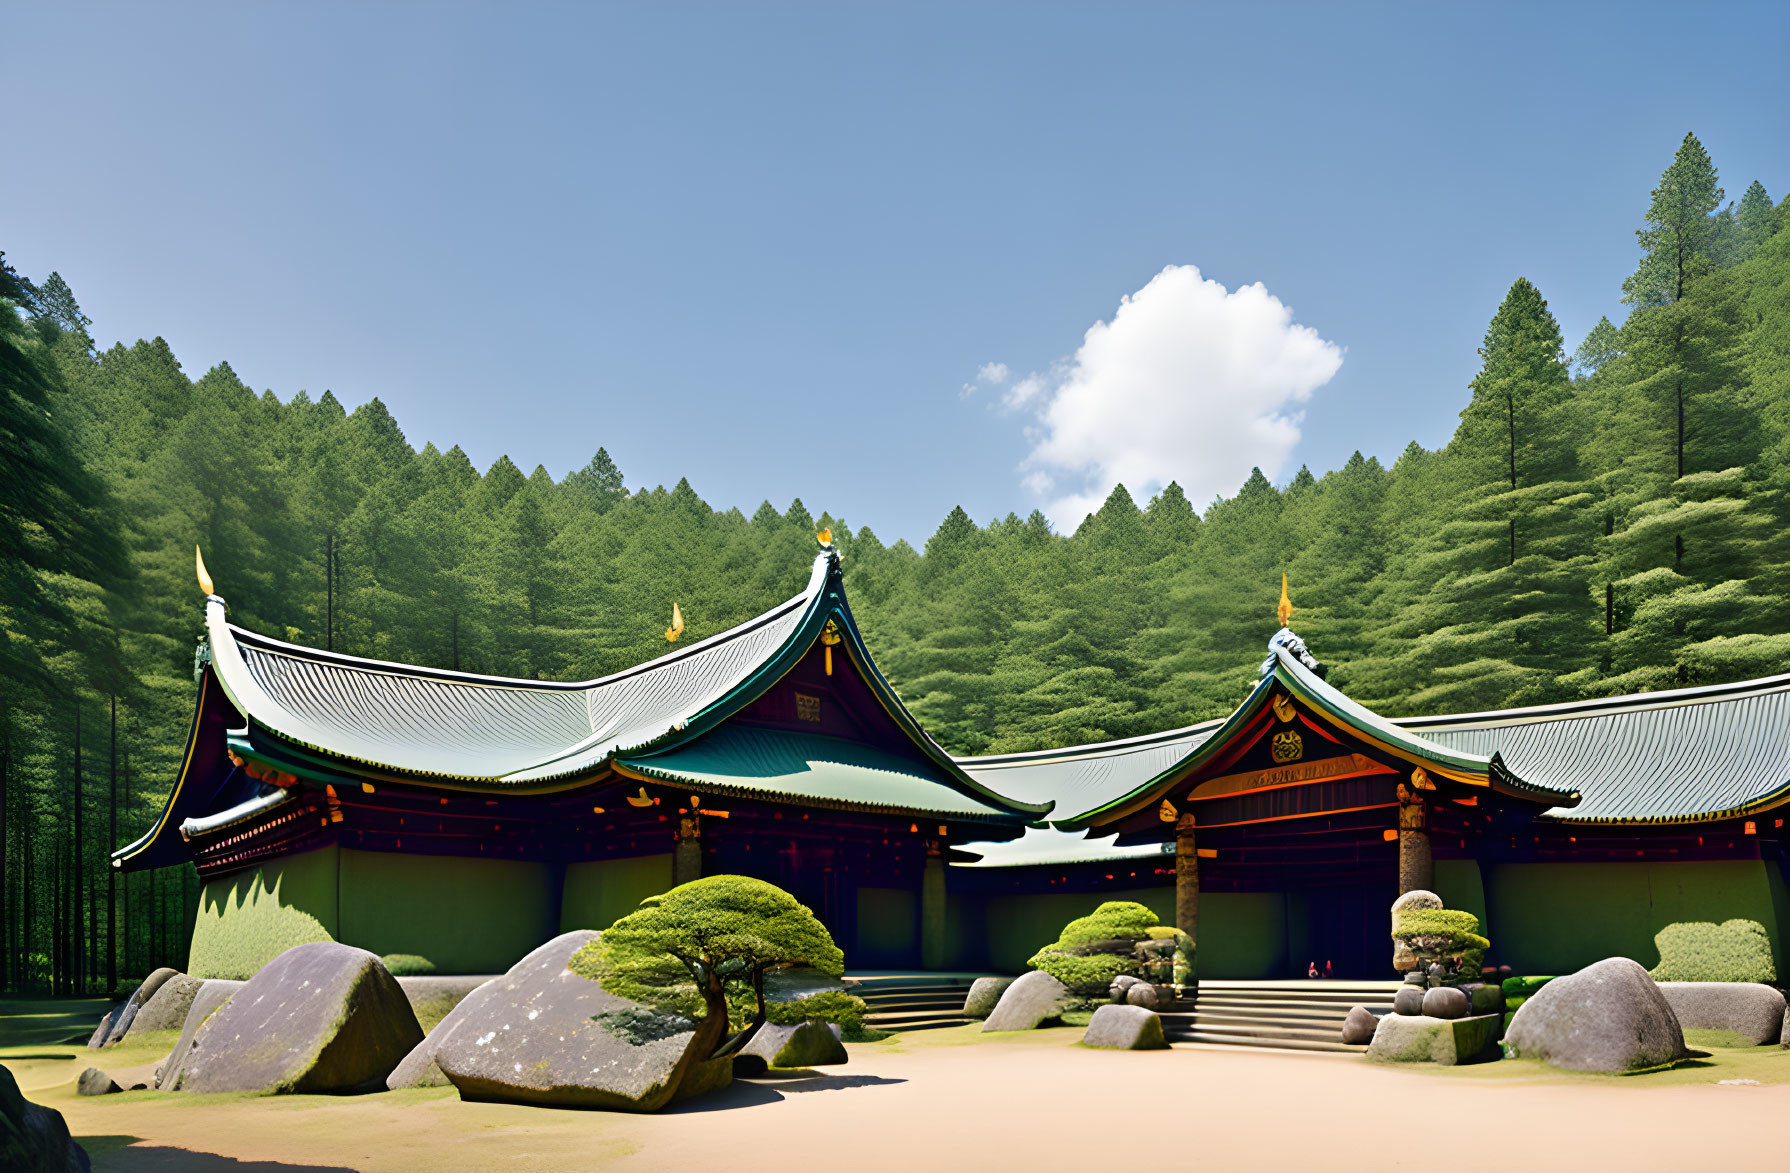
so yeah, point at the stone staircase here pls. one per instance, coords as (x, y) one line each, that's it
(912, 1001)
(1296, 1015)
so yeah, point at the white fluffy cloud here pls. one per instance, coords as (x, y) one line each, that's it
(1189, 382)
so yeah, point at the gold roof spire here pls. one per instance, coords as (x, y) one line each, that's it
(677, 624)
(204, 578)
(1286, 605)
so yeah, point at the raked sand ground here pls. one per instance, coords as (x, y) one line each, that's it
(955, 1099)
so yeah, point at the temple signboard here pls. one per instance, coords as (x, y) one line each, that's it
(1291, 774)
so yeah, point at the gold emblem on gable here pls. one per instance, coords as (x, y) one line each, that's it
(807, 708)
(1283, 708)
(1287, 747)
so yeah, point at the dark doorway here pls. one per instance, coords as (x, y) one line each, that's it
(806, 870)
(1349, 926)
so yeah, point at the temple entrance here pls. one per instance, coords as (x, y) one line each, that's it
(1345, 924)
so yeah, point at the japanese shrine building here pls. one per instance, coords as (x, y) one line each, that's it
(465, 818)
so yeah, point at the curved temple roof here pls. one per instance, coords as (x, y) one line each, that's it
(324, 715)
(491, 729)
(1689, 755)
(1088, 782)
(1684, 756)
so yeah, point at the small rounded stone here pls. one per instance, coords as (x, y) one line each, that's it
(1445, 1002)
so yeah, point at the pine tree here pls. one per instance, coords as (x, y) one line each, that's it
(1679, 229)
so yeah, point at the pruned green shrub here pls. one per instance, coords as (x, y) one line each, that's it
(1093, 950)
(1113, 920)
(1087, 976)
(847, 1010)
(1697, 951)
(407, 965)
(1442, 935)
(1522, 987)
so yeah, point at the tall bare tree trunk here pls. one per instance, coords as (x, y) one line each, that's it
(112, 872)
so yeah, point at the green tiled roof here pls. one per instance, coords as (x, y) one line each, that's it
(810, 769)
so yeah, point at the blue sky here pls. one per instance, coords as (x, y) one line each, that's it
(767, 247)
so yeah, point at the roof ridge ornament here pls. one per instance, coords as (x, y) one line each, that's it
(1285, 611)
(1286, 640)
(204, 578)
(677, 624)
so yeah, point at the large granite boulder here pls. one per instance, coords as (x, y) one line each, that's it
(321, 1017)
(985, 993)
(1358, 1028)
(541, 1034)
(118, 1020)
(1418, 1038)
(805, 1044)
(213, 993)
(418, 1068)
(1125, 1028)
(1609, 1016)
(1032, 999)
(167, 1009)
(1754, 1012)
(33, 1138)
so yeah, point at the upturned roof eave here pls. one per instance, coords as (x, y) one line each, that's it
(821, 601)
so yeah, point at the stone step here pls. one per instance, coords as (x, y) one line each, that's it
(1220, 1038)
(1252, 1014)
(1340, 1006)
(1260, 1030)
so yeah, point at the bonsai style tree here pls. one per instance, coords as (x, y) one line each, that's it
(1119, 937)
(710, 934)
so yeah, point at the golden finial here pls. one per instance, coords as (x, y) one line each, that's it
(204, 578)
(825, 536)
(1286, 604)
(677, 624)
(829, 636)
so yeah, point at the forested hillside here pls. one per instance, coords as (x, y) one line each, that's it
(1605, 520)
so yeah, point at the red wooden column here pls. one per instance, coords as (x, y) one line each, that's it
(1187, 879)
(1415, 868)
(686, 857)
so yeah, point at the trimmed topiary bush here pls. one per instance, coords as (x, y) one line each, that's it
(1443, 935)
(407, 965)
(1522, 987)
(1697, 951)
(847, 1010)
(1119, 937)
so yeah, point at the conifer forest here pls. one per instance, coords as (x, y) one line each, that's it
(1611, 515)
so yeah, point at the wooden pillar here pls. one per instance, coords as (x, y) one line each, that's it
(686, 857)
(932, 908)
(1187, 879)
(1415, 868)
